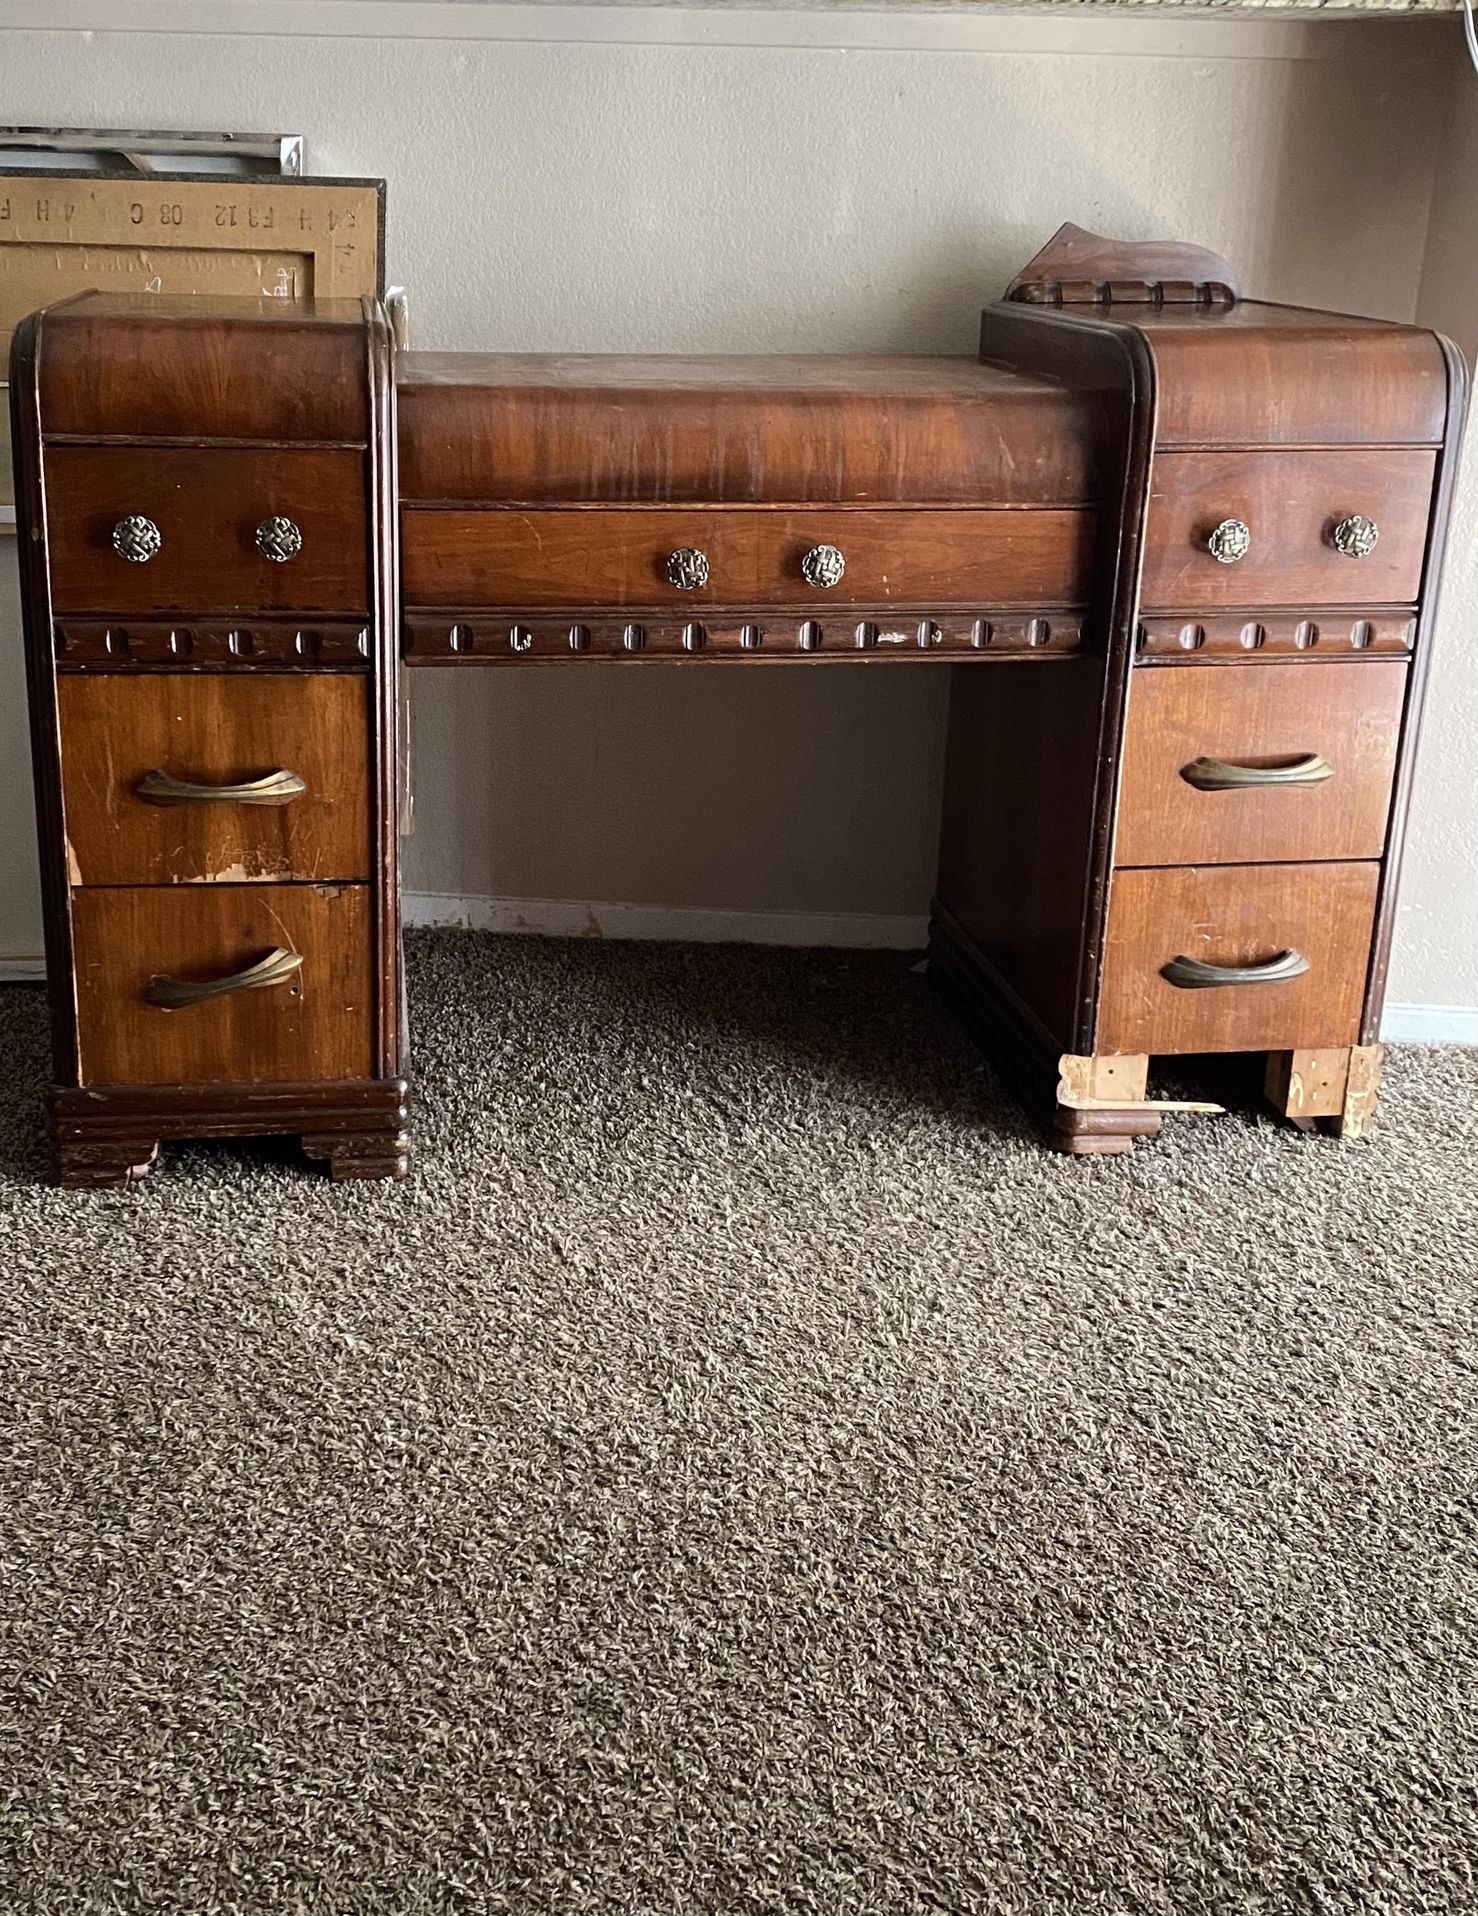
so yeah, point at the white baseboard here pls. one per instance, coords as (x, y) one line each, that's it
(1430, 1024)
(22, 971)
(682, 924)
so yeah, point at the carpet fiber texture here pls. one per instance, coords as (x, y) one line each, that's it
(741, 1472)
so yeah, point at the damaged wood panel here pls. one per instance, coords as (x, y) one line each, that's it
(214, 730)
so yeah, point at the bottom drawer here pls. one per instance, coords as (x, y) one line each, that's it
(142, 955)
(1244, 917)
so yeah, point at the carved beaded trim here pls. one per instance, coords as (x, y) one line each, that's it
(1283, 634)
(528, 637)
(113, 645)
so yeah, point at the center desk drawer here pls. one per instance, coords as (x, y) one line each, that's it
(193, 529)
(1293, 506)
(749, 557)
(140, 950)
(1243, 919)
(170, 778)
(1246, 766)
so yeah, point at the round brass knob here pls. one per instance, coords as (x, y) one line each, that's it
(1355, 536)
(823, 567)
(136, 539)
(279, 540)
(1229, 542)
(687, 569)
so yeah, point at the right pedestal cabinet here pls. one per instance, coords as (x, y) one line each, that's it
(1209, 803)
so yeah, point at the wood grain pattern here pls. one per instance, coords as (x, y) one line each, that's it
(529, 429)
(1237, 915)
(1350, 714)
(207, 504)
(1257, 374)
(1290, 501)
(317, 1026)
(214, 730)
(618, 558)
(203, 368)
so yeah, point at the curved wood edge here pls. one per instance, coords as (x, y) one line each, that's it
(1079, 268)
(385, 743)
(1112, 355)
(36, 621)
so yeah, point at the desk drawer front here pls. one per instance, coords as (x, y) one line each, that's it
(1243, 917)
(170, 778)
(134, 946)
(1293, 506)
(595, 558)
(1301, 760)
(202, 524)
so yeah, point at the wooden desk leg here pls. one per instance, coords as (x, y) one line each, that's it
(1332, 1091)
(1096, 1106)
(361, 1154)
(104, 1165)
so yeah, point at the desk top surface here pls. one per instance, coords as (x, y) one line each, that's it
(663, 428)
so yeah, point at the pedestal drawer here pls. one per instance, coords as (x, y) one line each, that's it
(734, 556)
(1316, 528)
(1281, 763)
(167, 992)
(136, 529)
(170, 778)
(1258, 923)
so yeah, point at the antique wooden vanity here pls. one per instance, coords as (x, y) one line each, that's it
(1179, 550)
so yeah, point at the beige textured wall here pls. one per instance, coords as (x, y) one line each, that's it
(762, 181)
(1436, 954)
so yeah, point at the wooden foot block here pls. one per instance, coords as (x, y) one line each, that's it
(1102, 1133)
(104, 1165)
(361, 1154)
(1334, 1091)
(1100, 1108)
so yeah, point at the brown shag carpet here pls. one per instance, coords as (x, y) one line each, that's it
(741, 1472)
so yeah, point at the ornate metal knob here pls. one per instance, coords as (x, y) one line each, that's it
(136, 539)
(279, 540)
(687, 569)
(1355, 536)
(822, 567)
(1229, 542)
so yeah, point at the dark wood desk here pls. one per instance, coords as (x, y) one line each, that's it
(1195, 538)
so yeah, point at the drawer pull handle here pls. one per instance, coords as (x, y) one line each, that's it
(137, 539)
(1194, 974)
(1355, 536)
(687, 569)
(275, 969)
(1229, 542)
(1222, 775)
(823, 567)
(275, 788)
(279, 540)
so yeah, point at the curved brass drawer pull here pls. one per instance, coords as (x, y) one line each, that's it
(1224, 775)
(1193, 974)
(275, 788)
(275, 969)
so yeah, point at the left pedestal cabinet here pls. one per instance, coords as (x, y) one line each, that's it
(206, 499)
